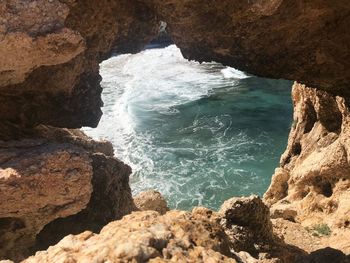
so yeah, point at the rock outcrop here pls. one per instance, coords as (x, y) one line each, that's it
(177, 236)
(312, 186)
(146, 236)
(151, 200)
(54, 183)
(312, 242)
(39, 182)
(247, 221)
(51, 51)
(306, 41)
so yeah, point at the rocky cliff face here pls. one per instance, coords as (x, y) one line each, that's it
(177, 236)
(40, 183)
(312, 186)
(55, 182)
(50, 54)
(198, 236)
(298, 40)
(50, 50)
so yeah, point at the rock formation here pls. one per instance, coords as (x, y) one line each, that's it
(248, 221)
(151, 200)
(142, 236)
(198, 236)
(177, 236)
(312, 186)
(51, 52)
(39, 182)
(306, 41)
(55, 182)
(51, 49)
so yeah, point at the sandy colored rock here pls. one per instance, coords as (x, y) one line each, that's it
(39, 182)
(296, 40)
(55, 182)
(50, 54)
(151, 200)
(320, 248)
(146, 236)
(50, 50)
(314, 177)
(296, 234)
(247, 222)
(39, 51)
(41, 39)
(280, 211)
(178, 236)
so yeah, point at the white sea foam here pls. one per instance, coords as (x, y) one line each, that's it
(155, 126)
(231, 73)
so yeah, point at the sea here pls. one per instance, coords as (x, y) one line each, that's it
(199, 133)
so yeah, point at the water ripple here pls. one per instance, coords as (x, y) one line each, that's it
(199, 133)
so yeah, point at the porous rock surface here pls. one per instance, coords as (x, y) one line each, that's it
(50, 53)
(177, 236)
(312, 185)
(146, 236)
(306, 41)
(51, 49)
(39, 182)
(248, 221)
(151, 200)
(57, 182)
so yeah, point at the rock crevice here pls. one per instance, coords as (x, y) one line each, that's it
(314, 182)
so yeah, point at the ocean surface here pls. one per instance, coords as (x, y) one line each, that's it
(198, 133)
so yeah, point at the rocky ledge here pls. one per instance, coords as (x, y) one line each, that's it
(198, 236)
(312, 185)
(55, 182)
(240, 232)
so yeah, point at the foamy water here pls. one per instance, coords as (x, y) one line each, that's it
(198, 133)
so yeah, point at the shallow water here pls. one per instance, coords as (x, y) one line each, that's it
(198, 133)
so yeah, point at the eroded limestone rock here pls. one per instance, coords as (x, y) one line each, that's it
(55, 182)
(247, 221)
(151, 200)
(146, 236)
(298, 40)
(51, 49)
(314, 177)
(39, 182)
(50, 53)
(177, 236)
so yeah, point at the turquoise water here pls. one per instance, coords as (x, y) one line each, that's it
(198, 133)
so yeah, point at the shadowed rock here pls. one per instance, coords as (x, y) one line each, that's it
(57, 183)
(247, 222)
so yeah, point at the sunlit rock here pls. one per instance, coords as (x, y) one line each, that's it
(151, 200)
